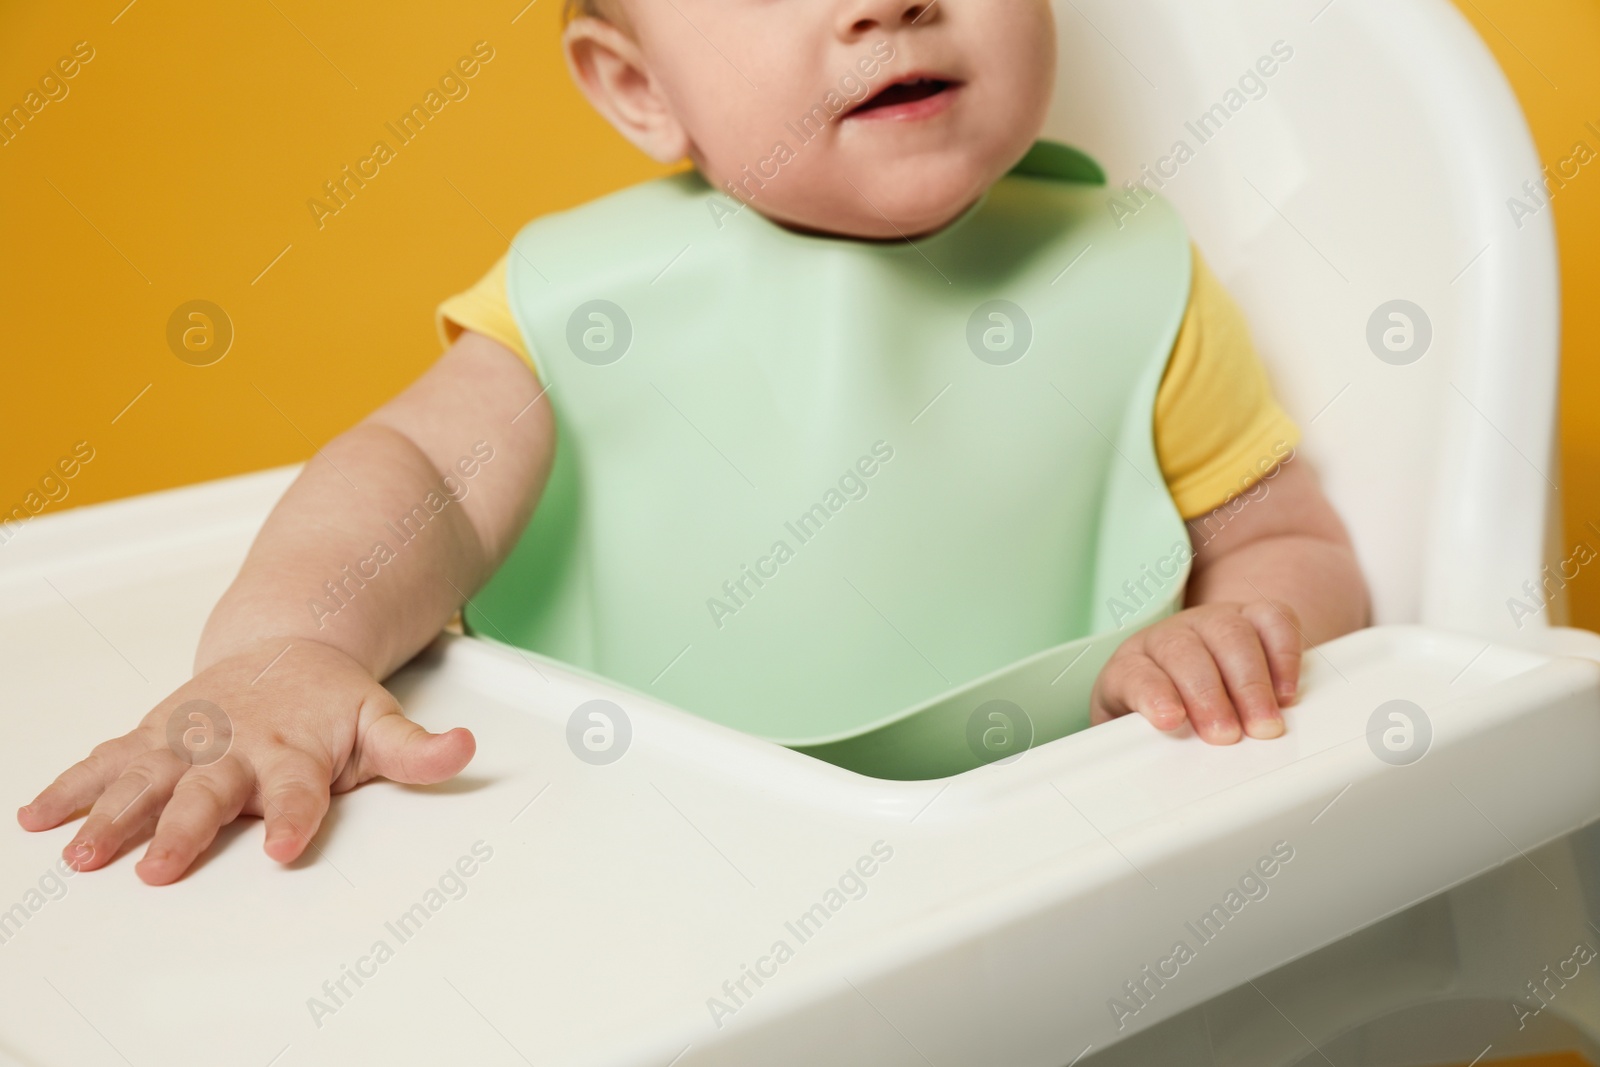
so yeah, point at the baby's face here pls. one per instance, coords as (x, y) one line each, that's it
(869, 118)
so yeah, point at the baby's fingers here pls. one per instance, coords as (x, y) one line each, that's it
(124, 808)
(1285, 646)
(1134, 684)
(1236, 646)
(294, 801)
(401, 751)
(205, 800)
(1187, 661)
(81, 784)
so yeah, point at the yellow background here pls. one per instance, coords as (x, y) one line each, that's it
(179, 167)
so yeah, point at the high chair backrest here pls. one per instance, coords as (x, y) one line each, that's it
(1354, 171)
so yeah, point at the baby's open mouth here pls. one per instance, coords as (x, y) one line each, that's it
(907, 98)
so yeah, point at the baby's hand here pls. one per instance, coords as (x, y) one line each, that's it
(291, 730)
(1218, 666)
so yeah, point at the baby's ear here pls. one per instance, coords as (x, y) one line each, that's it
(611, 70)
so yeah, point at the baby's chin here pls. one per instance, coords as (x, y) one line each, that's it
(876, 204)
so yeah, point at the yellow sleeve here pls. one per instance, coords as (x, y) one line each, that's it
(483, 309)
(1218, 428)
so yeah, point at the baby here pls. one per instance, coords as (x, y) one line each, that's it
(864, 410)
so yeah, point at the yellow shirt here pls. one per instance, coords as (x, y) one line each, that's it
(1218, 428)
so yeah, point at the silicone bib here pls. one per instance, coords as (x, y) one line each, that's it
(891, 504)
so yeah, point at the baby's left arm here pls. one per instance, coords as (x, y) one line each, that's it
(1274, 573)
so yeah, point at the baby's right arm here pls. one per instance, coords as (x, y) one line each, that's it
(299, 684)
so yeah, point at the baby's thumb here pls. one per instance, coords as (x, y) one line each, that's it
(400, 750)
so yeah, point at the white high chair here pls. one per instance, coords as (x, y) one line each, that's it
(1422, 899)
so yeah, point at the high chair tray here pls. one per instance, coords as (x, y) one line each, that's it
(544, 909)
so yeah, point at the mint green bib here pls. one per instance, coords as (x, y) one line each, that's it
(893, 504)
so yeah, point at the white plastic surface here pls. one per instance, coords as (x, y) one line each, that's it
(619, 898)
(1019, 898)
